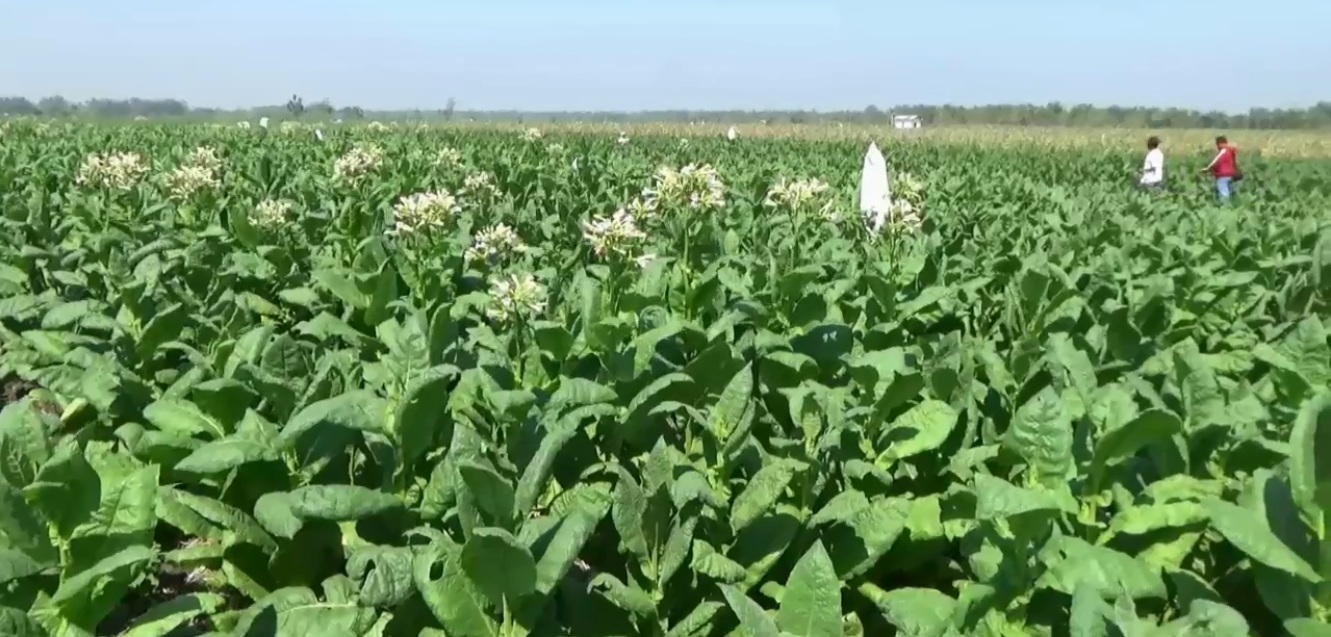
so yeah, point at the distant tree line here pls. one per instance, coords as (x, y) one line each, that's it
(1052, 114)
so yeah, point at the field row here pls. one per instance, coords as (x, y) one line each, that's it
(1314, 144)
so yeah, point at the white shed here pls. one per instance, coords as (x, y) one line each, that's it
(906, 121)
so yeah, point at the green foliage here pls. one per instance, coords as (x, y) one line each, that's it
(1058, 407)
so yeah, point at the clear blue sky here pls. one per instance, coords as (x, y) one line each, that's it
(631, 55)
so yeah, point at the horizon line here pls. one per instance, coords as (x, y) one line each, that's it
(771, 109)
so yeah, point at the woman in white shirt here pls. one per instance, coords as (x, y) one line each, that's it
(1153, 169)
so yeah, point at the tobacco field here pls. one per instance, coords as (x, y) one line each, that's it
(410, 382)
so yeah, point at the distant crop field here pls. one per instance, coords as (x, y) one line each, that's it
(1268, 143)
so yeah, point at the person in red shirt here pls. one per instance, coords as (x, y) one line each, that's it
(1224, 168)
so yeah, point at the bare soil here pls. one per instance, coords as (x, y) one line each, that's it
(14, 389)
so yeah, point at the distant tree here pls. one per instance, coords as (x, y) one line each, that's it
(54, 106)
(448, 109)
(322, 108)
(296, 106)
(18, 106)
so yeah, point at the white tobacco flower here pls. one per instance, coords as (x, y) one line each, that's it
(683, 142)
(623, 138)
(186, 181)
(479, 184)
(494, 243)
(795, 194)
(289, 128)
(613, 235)
(423, 211)
(555, 148)
(113, 171)
(448, 157)
(377, 127)
(641, 207)
(907, 186)
(515, 296)
(642, 261)
(829, 212)
(706, 189)
(197, 576)
(696, 186)
(271, 213)
(905, 216)
(532, 134)
(358, 162)
(243, 125)
(204, 157)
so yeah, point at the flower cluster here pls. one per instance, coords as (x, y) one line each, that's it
(480, 185)
(531, 134)
(271, 213)
(448, 157)
(198, 171)
(423, 211)
(906, 186)
(290, 128)
(114, 171)
(205, 157)
(795, 194)
(358, 162)
(615, 235)
(377, 127)
(518, 295)
(243, 125)
(641, 207)
(693, 185)
(494, 243)
(623, 138)
(908, 194)
(904, 215)
(185, 181)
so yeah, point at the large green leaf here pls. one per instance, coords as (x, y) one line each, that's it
(498, 565)
(811, 604)
(1251, 535)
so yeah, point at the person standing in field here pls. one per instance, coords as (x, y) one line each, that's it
(1153, 169)
(1224, 168)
